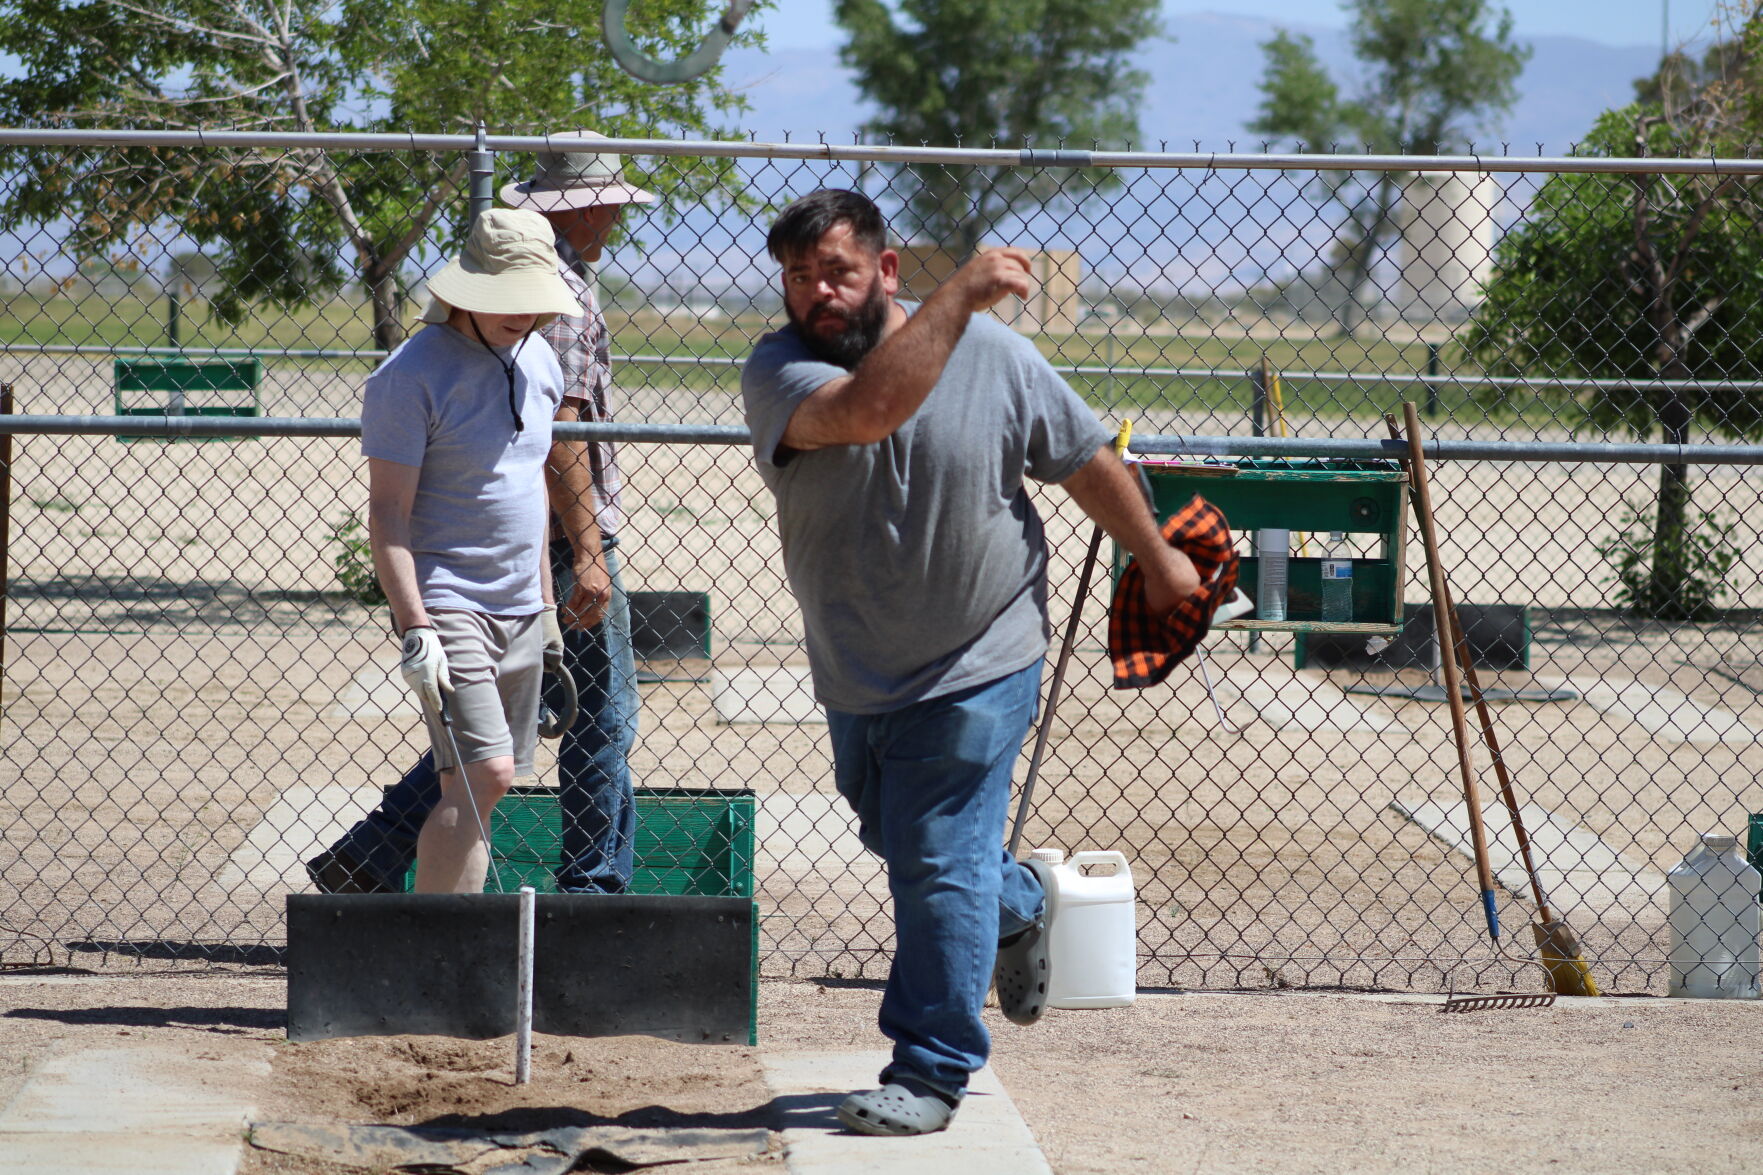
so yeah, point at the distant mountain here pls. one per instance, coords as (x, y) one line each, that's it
(1203, 87)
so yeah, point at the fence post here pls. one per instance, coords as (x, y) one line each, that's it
(1432, 389)
(483, 175)
(1258, 399)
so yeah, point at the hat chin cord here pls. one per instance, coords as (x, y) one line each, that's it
(507, 368)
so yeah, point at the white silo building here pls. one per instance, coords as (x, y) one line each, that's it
(1446, 220)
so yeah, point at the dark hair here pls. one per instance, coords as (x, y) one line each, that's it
(800, 226)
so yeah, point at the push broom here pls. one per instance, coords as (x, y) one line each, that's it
(1556, 943)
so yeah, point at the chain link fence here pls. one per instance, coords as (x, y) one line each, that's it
(196, 699)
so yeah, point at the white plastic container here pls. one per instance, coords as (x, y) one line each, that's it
(1093, 931)
(1274, 547)
(1715, 921)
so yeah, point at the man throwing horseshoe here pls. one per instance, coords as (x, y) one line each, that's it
(897, 441)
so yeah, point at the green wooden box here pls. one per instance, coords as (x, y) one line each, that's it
(689, 841)
(1317, 496)
(186, 387)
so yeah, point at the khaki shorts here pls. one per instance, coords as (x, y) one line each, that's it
(496, 666)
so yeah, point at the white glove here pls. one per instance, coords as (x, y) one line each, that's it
(553, 634)
(424, 666)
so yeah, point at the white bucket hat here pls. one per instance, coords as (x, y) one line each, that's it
(508, 266)
(574, 179)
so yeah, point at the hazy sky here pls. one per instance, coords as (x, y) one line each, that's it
(808, 23)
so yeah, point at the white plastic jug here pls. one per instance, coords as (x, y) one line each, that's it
(1715, 922)
(1093, 931)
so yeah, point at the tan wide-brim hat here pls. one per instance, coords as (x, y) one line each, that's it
(574, 179)
(508, 266)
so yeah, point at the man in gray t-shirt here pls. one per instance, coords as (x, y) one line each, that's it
(897, 441)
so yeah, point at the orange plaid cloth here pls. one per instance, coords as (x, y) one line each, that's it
(1144, 648)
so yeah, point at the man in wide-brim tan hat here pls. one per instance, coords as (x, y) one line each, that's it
(456, 428)
(575, 176)
(580, 192)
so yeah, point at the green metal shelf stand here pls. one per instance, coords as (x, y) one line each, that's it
(1352, 496)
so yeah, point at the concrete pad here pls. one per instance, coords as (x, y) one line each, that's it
(1299, 704)
(781, 694)
(375, 692)
(117, 1154)
(300, 822)
(1663, 712)
(987, 1137)
(139, 1111)
(1583, 878)
(804, 832)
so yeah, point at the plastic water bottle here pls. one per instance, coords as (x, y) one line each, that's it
(1093, 931)
(1274, 546)
(1715, 920)
(1337, 579)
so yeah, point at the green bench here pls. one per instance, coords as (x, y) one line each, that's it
(187, 387)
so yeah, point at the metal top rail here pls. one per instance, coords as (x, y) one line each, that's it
(1167, 444)
(1060, 157)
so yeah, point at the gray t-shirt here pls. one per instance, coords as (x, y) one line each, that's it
(919, 563)
(477, 526)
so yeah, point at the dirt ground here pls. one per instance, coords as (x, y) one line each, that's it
(174, 670)
(173, 658)
(1180, 1082)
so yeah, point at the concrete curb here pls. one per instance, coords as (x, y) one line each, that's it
(987, 1137)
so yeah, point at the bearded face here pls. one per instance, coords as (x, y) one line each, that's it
(838, 336)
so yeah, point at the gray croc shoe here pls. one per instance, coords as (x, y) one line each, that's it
(1022, 969)
(894, 1109)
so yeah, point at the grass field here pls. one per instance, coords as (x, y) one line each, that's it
(696, 355)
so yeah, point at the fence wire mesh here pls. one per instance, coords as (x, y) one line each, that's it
(197, 700)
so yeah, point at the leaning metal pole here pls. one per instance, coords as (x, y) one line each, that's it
(5, 532)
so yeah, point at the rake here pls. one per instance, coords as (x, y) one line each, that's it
(1488, 1003)
(1556, 943)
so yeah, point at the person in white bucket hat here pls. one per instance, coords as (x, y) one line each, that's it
(581, 193)
(456, 429)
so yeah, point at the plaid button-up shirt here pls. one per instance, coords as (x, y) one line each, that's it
(584, 351)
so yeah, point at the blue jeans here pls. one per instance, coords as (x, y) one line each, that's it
(930, 784)
(598, 812)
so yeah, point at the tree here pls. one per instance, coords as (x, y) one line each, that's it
(1649, 280)
(951, 73)
(293, 224)
(1435, 72)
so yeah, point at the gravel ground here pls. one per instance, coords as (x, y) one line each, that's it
(1181, 1081)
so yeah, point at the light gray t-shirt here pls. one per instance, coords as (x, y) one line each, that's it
(918, 561)
(477, 526)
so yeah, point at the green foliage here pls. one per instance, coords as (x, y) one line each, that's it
(354, 561)
(1434, 73)
(292, 225)
(1648, 282)
(1630, 278)
(979, 73)
(1683, 578)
